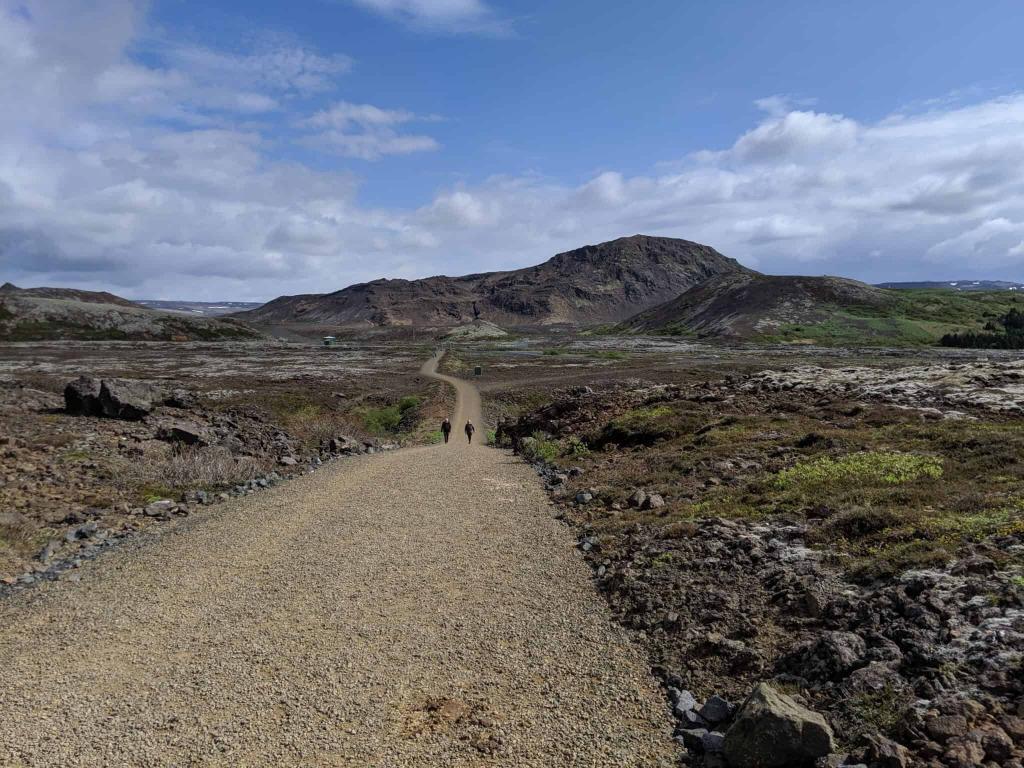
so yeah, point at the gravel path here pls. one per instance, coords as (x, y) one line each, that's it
(417, 608)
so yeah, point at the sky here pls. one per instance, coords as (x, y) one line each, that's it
(244, 149)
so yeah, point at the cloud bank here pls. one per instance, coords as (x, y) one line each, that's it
(162, 179)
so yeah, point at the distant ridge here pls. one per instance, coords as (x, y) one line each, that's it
(35, 314)
(956, 285)
(200, 308)
(69, 294)
(596, 284)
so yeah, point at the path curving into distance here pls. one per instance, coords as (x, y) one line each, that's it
(414, 608)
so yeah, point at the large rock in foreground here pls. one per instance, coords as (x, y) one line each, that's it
(113, 398)
(82, 397)
(772, 731)
(130, 400)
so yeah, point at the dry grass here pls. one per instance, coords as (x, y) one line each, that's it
(188, 468)
(19, 538)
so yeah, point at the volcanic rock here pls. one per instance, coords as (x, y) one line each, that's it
(771, 730)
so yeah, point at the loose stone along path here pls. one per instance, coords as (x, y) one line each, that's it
(417, 608)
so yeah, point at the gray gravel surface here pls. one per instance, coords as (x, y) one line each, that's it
(417, 608)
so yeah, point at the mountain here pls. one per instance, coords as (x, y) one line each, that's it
(31, 314)
(595, 284)
(824, 310)
(957, 285)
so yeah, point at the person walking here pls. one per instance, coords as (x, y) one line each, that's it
(446, 429)
(470, 429)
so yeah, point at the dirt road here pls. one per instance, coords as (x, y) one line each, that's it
(417, 608)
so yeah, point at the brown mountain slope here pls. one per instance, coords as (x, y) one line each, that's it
(751, 305)
(590, 285)
(32, 314)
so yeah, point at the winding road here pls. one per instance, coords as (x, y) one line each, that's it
(414, 608)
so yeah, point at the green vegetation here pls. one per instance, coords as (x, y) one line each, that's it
(79, 454)
(539, 448)
(639, 426)
(1009, 336)
(387, 419)
(883, 710)
(150, 492)
(868, 468)
(576, 447)
(408, 402)
(913, 318)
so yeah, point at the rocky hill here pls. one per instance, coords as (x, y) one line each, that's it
(824, 310)
(10, 291)
(748, 305)
(595, 284)
(30, 314)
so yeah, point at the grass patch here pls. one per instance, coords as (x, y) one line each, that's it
(388, 419)
(576, 448)
(538, 448)
(883, 710)
(640, 426)
(79, 454)
(866, 468)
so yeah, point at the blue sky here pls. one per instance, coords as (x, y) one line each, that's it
(247, 149)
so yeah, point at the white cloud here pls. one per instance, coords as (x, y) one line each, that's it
(273, 66)
(365, 132)
(154, 179)
(457, 16)
(796, 136)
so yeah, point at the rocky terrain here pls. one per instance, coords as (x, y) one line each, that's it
(95, 448)
(857, 545)
(820, 551)
(595, 284)
(936, 389)
(65, 313)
